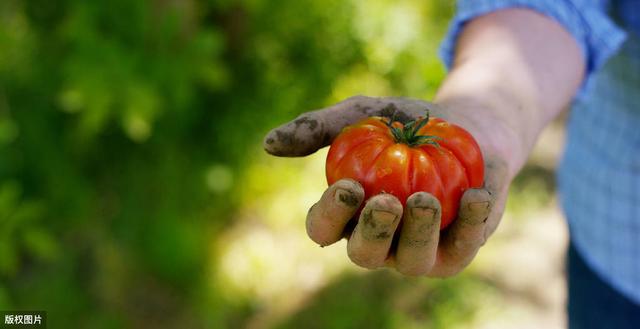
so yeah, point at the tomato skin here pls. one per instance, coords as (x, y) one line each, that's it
(368, 153)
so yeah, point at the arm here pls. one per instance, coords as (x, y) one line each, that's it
(514, 70)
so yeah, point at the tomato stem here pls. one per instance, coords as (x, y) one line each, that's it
(408, 134)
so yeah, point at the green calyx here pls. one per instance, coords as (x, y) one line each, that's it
(409, 133)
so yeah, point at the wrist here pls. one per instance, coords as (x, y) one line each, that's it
(495, 136)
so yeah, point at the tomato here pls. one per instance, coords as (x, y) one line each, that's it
(429, 154)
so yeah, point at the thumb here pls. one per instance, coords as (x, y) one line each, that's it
(302, 136)
(314, 130)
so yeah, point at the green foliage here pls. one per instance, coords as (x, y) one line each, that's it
(381, 300)
(124, 125)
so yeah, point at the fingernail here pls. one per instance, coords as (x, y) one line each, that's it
(378, 225)
(346, 197)
(478, 206)
(383, 217)
(426, 213)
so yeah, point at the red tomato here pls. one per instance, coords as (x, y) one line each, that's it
(429, 155)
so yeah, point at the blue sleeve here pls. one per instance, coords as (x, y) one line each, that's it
(596, 34)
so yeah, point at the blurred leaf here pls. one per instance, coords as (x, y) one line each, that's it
(4, 298)
(8, 257)
(41, 244)
(8, 131)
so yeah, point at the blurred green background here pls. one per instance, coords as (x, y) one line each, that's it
(134, 192)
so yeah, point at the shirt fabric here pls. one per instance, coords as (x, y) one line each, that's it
(593, 303)
(599, 176)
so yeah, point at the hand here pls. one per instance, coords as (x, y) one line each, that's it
(421, 248)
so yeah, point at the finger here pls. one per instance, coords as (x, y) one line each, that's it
(418, 241)
(300, 137)
(371, 239)
(314, 130)
(496, 182)
(466, 235)
(327, 218)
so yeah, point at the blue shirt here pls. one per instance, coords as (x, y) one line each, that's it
(599, 176)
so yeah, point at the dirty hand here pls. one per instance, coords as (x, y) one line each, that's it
(421, 248)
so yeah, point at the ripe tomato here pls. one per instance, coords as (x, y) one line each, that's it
(428, 154)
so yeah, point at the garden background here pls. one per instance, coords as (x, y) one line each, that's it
(134, 191)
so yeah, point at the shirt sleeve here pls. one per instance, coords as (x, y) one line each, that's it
(596, 34)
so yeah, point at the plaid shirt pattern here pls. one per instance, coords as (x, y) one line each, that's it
(599, 176)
